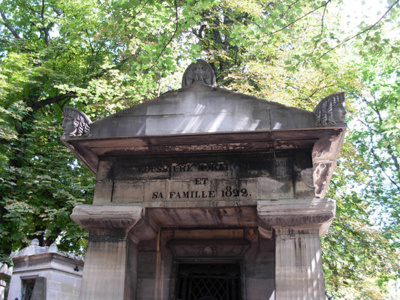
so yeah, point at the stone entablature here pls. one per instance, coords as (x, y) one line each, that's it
(212, 180)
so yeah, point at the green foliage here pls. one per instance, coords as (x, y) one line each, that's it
(363, 247)
(104, 56)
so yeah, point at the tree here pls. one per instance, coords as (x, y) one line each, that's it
(363, 246)
(41, 182)
(103, 57)
(372, 175)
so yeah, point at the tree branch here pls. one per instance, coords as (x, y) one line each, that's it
(42, 13)
(381, 121)
(290, 7)
(361, 32)
(8, 26)
(372, 151)
(173, 35)
(45, 30)
(302, 17)
(140, 10)
(119, 65)
(382, 168)
(322, 20)
(53, 100)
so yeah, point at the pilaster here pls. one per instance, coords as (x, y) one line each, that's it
(296, 225)
(298, 264)
(107, 262)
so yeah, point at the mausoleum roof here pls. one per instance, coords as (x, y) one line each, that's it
(35, 249)
(200, 109)
(201, 117)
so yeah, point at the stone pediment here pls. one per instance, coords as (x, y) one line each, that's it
(201, 109)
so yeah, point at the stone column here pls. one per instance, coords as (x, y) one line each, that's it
(107, 263)
(297, 225)
(298, 264)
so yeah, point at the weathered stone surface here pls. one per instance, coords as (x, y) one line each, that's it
(39, 291)
(298, 265)
(205, 181)
(106, 267)
(208, 243)
(216, 217)
(200, 109)
(34, 249)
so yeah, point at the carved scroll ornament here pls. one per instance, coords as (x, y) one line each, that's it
(330, 112)
(75, 123)
(199, 72)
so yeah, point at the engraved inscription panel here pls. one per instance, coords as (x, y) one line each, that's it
(228, 178)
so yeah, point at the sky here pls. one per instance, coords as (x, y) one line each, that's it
(369, 11)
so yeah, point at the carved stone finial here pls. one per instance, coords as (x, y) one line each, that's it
(75, 123)
(53, 248)
(199, 72)
(330, 112)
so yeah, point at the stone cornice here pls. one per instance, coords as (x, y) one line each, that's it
(88, 150)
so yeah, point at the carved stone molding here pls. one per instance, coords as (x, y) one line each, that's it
(199, 72)
(295, 213)
(266, 231)
(109, 217)
(324, 154)
(322, 175)
(293, 233)
(330, 112)
(208, 248)
(76, 123)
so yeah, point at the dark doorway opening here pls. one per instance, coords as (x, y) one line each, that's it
(208, 282)
(27, 288)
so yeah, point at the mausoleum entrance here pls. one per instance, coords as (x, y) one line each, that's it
(208, 281)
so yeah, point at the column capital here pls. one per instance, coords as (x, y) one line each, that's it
(113, 217)
(299, 214)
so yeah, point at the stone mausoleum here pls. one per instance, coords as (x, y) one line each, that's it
(204, 193)
(44, 273)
